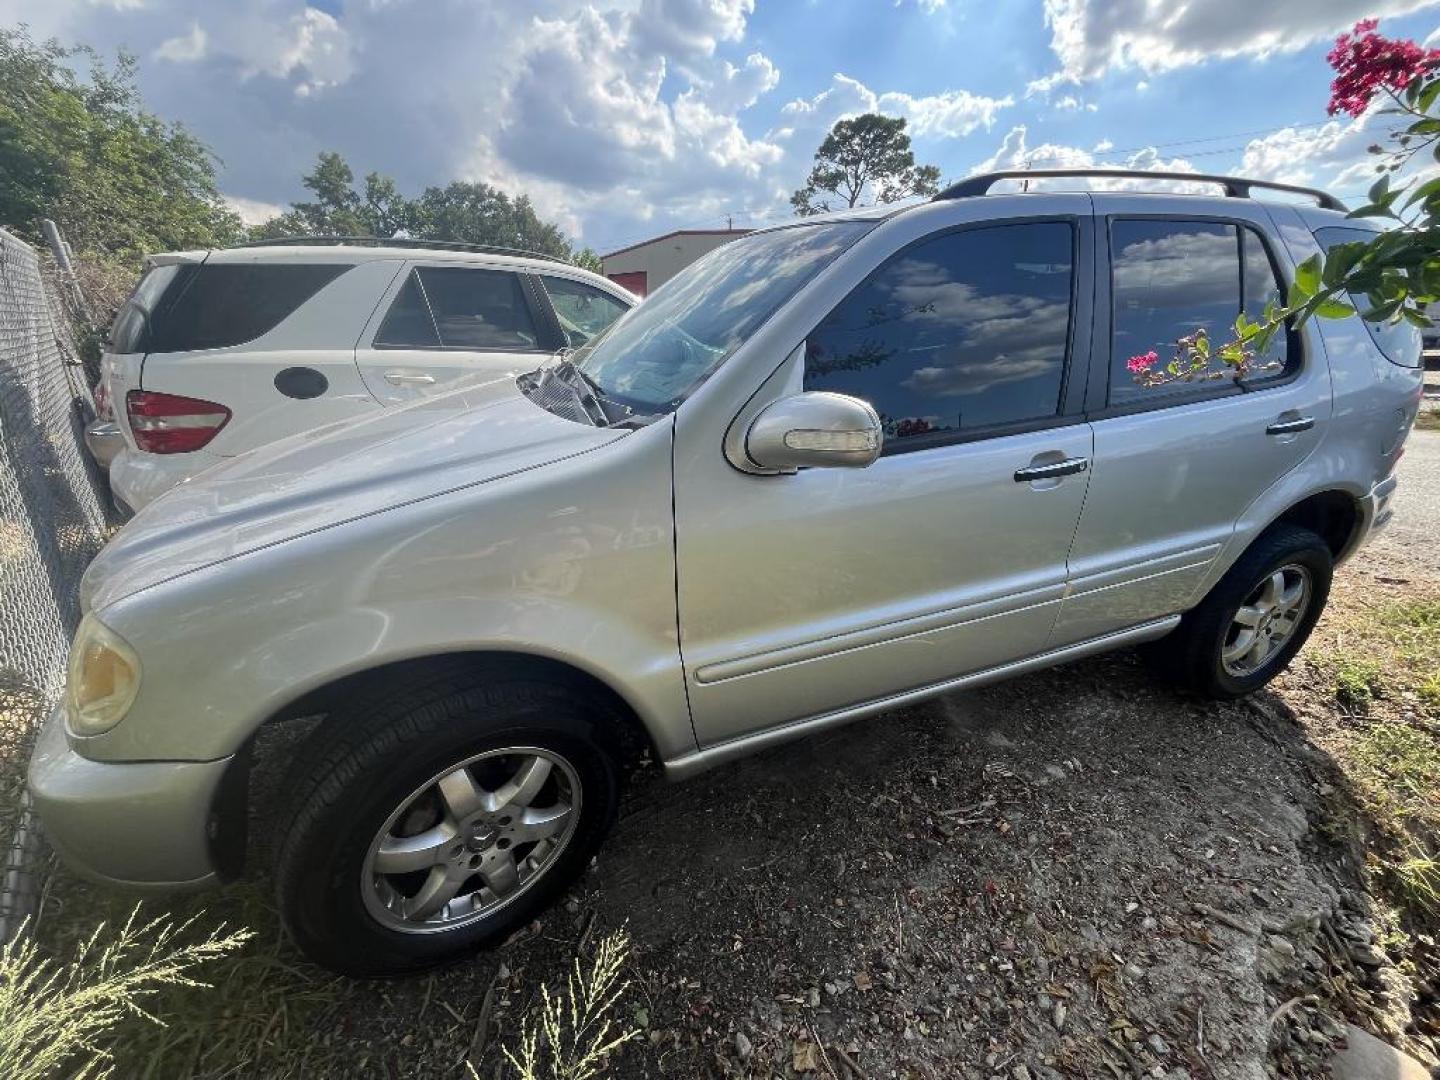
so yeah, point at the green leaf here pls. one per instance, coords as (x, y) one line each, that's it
(1307, 281)
(1380, 188)
(1426, 97)
(1382, 312)
(1334, 309)
(1424, 191)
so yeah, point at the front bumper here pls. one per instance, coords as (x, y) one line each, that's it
(142, 824)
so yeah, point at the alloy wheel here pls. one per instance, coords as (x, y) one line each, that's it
(471, 839)
(1266, 620)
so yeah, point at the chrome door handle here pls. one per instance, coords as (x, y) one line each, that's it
(1068, 467)
(1290, 427)
(408, 378)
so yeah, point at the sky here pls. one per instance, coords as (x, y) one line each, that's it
(624, 119)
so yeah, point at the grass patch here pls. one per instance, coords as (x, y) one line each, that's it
(62, 1016)
(1358, 683)
(256, 1017)
(1378, 652)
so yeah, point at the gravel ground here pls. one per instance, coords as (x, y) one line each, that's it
(1077, 873)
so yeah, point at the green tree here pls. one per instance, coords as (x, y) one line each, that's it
(868, 153)
(462, 211)
(83, 151)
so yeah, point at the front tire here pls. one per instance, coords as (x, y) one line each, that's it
(441, 818)
(1255, 619)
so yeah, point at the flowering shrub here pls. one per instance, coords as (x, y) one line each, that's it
(1397, 274)
(1366, 63)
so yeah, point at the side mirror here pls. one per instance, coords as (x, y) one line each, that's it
(815, 430)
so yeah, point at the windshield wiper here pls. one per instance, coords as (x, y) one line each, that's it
(563, 370)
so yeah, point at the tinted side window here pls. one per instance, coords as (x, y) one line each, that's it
(583, 310)
(1399, 341)
(408, 322)
(478, 309)
(964, 331)
(127, 335)
(1172, 278)
(215, 306)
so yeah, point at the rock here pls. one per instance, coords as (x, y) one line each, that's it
(1368, 1058)
(1368, 955)
(804, 1057)
(1157, 1045)
(1282, 945)
(743, 1047)
(1059, 1016)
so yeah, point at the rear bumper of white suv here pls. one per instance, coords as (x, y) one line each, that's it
(138, 479)
(143, 824)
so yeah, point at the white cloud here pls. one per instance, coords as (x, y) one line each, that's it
(613, 116)
(184, 49)
(1333, 156)
(1015, 152)
(1091, 37)
(252, 211)
(951, 114)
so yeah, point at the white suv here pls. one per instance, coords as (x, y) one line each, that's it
(218, 352)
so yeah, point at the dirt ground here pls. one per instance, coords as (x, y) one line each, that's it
(1073, 874)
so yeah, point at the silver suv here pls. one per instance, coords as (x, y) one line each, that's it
(831, 468)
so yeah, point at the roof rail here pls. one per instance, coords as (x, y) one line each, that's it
(1235, 187)
(398, 242)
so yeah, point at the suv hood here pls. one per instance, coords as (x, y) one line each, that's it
(332, 475)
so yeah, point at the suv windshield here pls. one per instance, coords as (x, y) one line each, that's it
(651, 359)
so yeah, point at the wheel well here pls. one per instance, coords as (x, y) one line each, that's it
(1332, 515)
(253, 781)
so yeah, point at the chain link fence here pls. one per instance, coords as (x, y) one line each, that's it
(53, 519)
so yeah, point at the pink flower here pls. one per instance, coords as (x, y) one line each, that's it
(1143, 362)
(1366, 63)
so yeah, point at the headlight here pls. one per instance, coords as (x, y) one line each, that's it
(104, 678)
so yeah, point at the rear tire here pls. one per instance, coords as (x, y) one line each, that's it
(1255, 619)
(440, 816)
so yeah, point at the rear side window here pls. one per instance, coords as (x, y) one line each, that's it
(127, 335)
(215, 306)
(964, 331)
(1399, 341)
(583, 310)
(460, 308)
(1172, 278)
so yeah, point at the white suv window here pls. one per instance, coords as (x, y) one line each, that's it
(187, 308)
(1171, 278)
(583, 310)
(454, 307)
(963, 331)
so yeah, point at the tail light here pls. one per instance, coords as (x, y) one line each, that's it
(169, 424)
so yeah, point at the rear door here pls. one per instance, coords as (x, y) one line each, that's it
(1176, 466)
(443, 322)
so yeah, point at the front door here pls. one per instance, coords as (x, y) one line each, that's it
(1176, 466)
(442, 324)
(805, 594)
